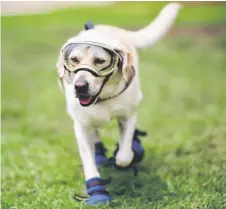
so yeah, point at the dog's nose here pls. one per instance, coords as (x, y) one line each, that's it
(81, 87)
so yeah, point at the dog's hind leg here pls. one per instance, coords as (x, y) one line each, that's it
(94, 184)
(100, 151)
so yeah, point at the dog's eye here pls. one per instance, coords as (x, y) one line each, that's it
(99, 61)
(74, 59)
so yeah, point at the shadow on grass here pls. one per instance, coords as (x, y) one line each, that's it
(146, 187)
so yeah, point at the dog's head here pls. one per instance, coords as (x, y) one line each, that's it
(89, 65)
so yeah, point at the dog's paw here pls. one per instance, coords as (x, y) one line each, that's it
(124, 158)
(97, 192)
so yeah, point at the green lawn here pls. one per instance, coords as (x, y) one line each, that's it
(184, 111)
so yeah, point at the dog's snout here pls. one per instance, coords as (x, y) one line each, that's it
(81, 87)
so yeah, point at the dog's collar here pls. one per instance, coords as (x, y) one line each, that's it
(114, 96)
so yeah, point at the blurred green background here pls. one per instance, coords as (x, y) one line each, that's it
(183, 78)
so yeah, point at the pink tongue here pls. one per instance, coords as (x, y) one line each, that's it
(85, 101)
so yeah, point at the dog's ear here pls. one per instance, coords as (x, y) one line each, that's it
(60, 66)
(126, 64)
(63, 74)
(60, 71)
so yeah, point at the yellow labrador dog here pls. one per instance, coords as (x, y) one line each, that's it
(99, 76)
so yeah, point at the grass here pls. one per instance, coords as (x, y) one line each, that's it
(184, 108)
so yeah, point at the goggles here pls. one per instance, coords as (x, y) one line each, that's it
(115, 60)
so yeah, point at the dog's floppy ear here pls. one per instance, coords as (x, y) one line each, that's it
(60, 66)
(126, 64)
(62, 73)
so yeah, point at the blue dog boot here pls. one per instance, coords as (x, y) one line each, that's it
(100, 156)
(137, 148)
(97, 192)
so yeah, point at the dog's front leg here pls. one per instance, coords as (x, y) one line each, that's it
(125, 153)
(85, 140)
(94, 184)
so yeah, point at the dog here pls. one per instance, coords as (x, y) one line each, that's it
(98, 72)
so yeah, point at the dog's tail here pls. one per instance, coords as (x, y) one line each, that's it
(149, 35)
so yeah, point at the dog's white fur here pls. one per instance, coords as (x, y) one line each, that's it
(87, 120)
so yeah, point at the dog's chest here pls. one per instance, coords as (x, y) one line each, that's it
(122, 106)
(99, 114)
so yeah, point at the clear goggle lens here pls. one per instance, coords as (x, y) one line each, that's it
(115, 58)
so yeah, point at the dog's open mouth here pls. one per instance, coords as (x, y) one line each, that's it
(85, 99)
